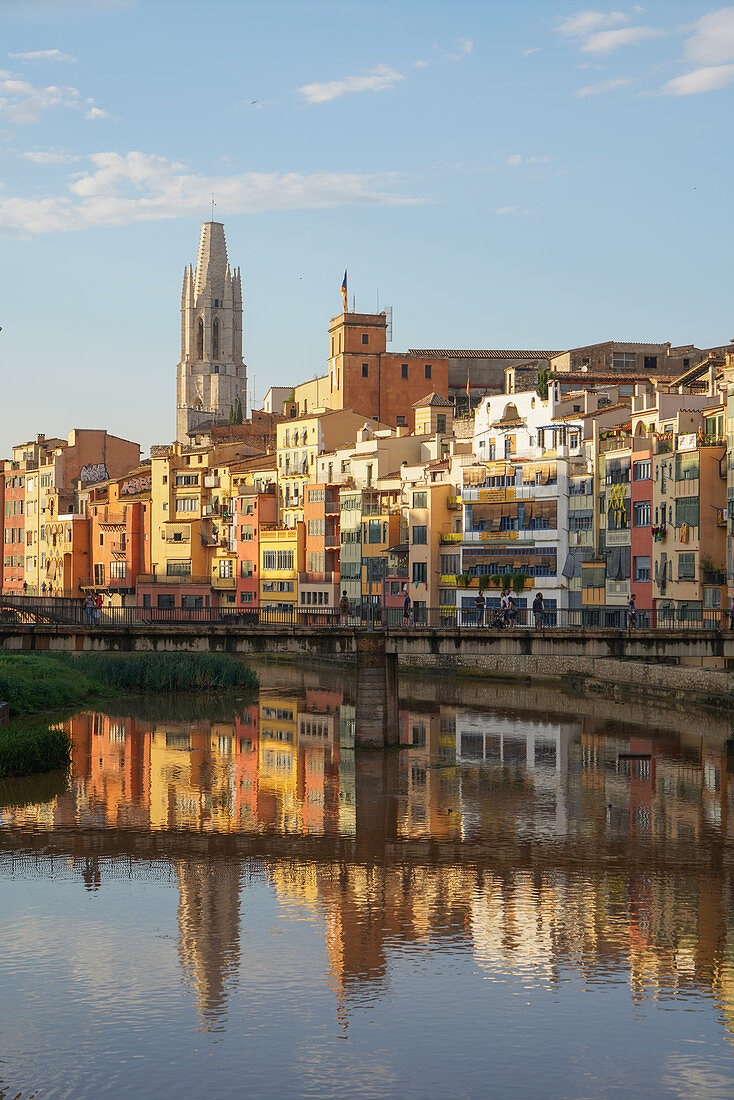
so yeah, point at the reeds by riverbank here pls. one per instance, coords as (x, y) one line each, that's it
(28, 747)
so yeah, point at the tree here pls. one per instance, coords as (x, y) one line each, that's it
(543, 383)
(230, 418)
(238, 418)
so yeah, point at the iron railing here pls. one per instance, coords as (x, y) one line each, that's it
(46, 610)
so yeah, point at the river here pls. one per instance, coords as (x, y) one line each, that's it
(532, 897)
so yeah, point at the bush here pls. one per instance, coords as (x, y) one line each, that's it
(27, 748)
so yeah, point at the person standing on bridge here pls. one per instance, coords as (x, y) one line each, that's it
(631, 613)
(538, 610)
(344, 607)
(407, 606)
(480, 605)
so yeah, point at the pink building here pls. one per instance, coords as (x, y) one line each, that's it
(254, 509)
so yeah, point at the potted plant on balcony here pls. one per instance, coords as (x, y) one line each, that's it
(711, 572)
(518, 582)
(484, 582)
(463, 580)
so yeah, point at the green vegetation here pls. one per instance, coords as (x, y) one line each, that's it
(32, 682)
(165, 673)
(29, 747)
(543, 383)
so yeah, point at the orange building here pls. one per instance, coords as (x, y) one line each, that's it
(119, 533)
(365, 376)
(253, 510)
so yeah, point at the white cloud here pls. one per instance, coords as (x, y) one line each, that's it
(586, 22)
(97, 112)
(535, 49)
(420, 64)
(518, 159)
(464, 48)
(708, 79)
(43, 55)
(376, 80)
(23, 103)
(123, 188)
(509, 210)
(606, 41)
(49, 156)
(605, 86)
(712, 42)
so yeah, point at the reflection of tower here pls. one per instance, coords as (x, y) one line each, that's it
(208, 925)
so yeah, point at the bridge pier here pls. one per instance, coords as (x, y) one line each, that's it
(376, 717)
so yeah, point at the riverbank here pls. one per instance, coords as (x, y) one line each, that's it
(39, 687)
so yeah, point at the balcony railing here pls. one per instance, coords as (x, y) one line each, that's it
(225, 583)
(164, 578)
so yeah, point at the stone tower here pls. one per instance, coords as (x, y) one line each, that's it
(211, 373)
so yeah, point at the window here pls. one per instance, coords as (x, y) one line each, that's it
(246, 533)
(642, 513)
(651, 362)
(420, 500)
(642, 470)
(316, 527)
(449, 564)
(215, 336)
(246, 597)
(400, 420)
(712, 598)
(186, 504)
(428, 370)
(624, 360)
(403, 370)
(247, 568)
(365, 370)
(192, 602)
(178, 568)
(441, 423)
(225, 568)
(420, 572)
(420, 536)
(187, 479)
(642, 569)
(686, 567)
(686, 511)
(365, 338)
(687, 466)
(99, 574)
(117, 570)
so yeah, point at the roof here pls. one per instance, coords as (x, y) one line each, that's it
(468, 353)
(434, 400)
(620, 378)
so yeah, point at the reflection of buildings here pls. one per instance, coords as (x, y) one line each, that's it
(443, 840)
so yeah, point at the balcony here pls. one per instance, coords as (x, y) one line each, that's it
(454, 503)
(332, 542)
(317, 578)
(211, 481)
(224, 584)
(210, 510)
(452, 536)
(163, 578)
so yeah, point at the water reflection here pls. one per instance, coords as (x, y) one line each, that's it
(549, 846)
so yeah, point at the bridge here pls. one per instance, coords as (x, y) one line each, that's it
(559, 646)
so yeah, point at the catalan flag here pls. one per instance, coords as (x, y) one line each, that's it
(344, 290)
(467, 388)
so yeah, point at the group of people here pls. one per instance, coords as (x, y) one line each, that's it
(508, 609)
(93, 609)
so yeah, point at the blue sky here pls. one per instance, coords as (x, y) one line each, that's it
(525, 174)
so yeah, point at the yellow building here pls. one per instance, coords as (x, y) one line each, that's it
(434, 415)
(430, 515)
(282, 557)
(299, 442)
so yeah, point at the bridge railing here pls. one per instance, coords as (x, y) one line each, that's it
(72, 612)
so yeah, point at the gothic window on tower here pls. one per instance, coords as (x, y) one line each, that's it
(200, 340)
(215, 339)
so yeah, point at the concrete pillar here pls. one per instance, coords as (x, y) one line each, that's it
(376, 718)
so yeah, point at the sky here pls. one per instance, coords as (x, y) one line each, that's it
(535, 174)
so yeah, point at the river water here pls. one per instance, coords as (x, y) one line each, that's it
(533, 897)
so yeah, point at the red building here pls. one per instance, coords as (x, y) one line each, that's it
(14, 539)
(641, 532)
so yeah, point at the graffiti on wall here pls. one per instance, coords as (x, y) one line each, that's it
(134, 485)
(96, 471)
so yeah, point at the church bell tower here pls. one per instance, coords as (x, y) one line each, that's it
(211, 376)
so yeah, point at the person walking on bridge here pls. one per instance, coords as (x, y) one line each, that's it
(631, 613)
